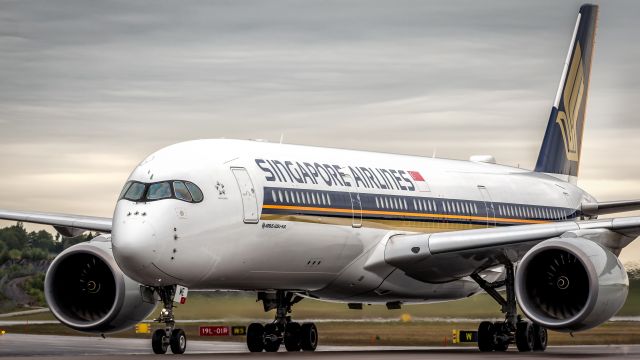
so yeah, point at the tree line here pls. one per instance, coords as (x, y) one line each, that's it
(16, 243)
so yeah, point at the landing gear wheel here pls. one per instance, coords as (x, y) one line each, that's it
(158, 344)
(524, 336)
(178, 341)
(272, 338)
(308, 337)
(486, 336)
(255, 337)
(292, 336)
(539, 338)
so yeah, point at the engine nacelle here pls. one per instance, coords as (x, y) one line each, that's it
(570, 284)
(87, 291)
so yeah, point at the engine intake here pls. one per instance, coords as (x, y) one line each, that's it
(87, 291)
(570, 284)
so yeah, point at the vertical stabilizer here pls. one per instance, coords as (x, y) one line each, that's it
(560, 151)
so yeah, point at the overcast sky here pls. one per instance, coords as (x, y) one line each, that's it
(88, 89)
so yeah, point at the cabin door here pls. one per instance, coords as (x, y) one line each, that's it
(248, 195)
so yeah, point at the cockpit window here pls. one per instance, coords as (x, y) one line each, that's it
(181, 191)
(175, 189)
(196, 193)
(124, 189)
(159, 191)
(135, 191)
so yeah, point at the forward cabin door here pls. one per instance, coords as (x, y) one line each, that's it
(248, 194)
(488, 205)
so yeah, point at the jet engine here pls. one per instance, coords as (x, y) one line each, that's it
(87, 291)
(570, 284)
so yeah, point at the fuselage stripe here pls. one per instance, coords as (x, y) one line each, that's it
(397, 213)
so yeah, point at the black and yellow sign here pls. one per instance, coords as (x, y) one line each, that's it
(464, 336)
(238, 330)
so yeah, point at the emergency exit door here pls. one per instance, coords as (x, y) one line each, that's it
(488, 205)
(356, 203)
(248, 194)
(356, 207)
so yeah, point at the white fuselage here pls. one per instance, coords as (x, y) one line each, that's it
(314, 220)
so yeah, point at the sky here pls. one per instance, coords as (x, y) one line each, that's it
(88, 89)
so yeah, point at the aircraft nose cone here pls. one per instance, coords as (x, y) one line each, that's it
(135, 247)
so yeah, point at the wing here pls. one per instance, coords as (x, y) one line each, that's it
(446, 256)
(65, 224)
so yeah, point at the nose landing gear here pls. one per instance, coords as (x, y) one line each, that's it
(269, 337)
(169, 337)
(498, 336)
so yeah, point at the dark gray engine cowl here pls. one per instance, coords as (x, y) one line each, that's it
(570, 284)
(87, 291)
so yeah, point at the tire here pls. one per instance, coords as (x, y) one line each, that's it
(486, 336)
(308, 337)
(157, 342)
(292, 336)
(539, 338)
(272, 338)
(524, 336)
(178, 341)
(255, 337)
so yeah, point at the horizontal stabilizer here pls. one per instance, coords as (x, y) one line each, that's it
(610, 207)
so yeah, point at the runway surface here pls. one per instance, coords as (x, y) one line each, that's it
(63, 347)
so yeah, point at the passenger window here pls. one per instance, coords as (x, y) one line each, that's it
(404, 201)
(196, 193)
(273, 196)
(280, 196)
(183, 194)
(415, 204)
(377, 203)
(286, 196)
(159, 191)
(135, 192)
(328, 199)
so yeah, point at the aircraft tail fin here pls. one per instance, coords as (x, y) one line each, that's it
(560, 151)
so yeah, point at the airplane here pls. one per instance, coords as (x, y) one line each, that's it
(290, 222)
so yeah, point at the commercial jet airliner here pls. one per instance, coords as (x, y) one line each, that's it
(291, 222)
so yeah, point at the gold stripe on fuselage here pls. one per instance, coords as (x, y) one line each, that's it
(402, 225)
(437, 219)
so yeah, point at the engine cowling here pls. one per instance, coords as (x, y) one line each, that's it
(570, 284)
(87, 291)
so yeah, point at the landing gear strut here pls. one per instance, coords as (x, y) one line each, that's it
(269, 337)
(171, 337)
(498, 336)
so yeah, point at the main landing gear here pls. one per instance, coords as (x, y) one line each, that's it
(269, 337)
(499, 335)
(171, 337)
